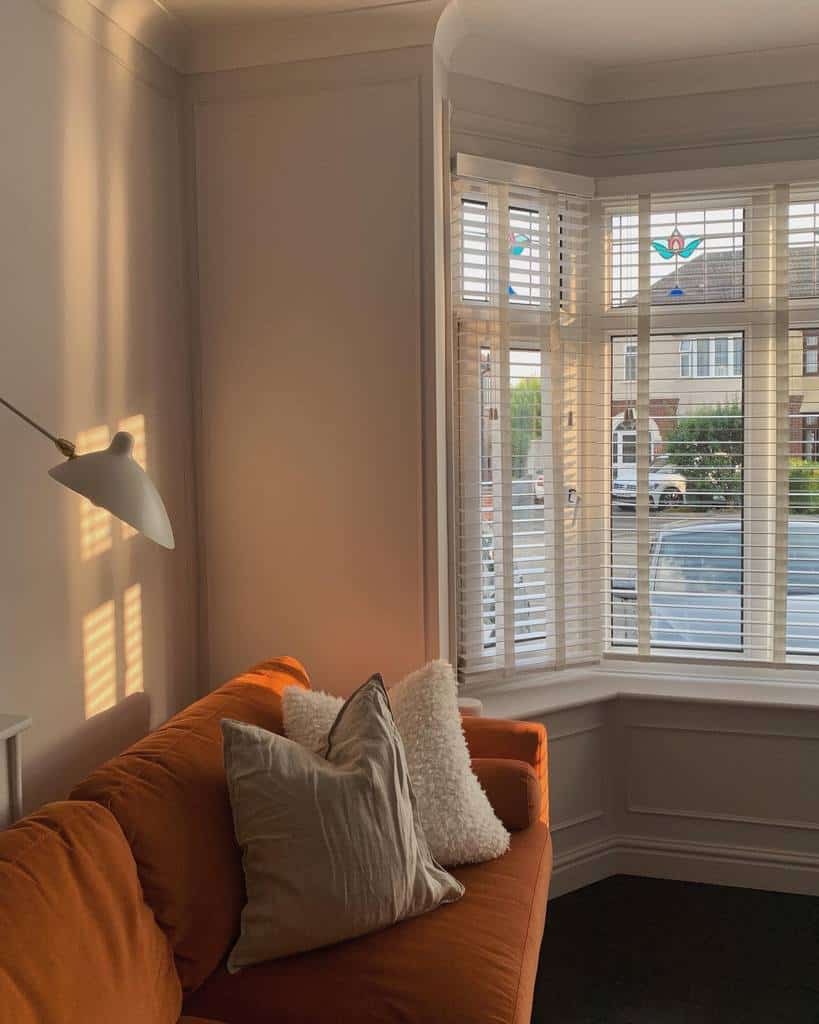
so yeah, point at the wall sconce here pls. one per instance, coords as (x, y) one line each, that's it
(111, 479)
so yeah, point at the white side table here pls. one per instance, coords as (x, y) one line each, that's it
(10, 728)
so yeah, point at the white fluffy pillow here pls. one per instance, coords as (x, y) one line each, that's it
(458, 820)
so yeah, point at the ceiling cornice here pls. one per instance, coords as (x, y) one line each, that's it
(151, 24)
(793, 65)
(508, 63)
(286, 40)
(408, 23)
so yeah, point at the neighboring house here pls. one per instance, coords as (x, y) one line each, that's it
(689, 371)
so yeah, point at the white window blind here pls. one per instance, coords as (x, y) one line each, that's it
(655, 357)
(525, 547)
(714, 522)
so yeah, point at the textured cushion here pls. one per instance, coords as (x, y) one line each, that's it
(169, 795)
(332, 846)
(470, 962)
(458, 820)
(78, 941)
(513, 789)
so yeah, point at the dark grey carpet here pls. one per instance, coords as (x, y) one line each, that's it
(643, 951)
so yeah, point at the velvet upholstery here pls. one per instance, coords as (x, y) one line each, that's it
(470, 962)
(512, 740)
(169, 795)
(78, 941)
(75, 880)
(513, 789)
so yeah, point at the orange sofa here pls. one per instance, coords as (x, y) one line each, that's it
(120, 905)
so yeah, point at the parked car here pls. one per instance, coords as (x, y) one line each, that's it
(539, 489)
(523, 607)
(696, 583)
(666, 485)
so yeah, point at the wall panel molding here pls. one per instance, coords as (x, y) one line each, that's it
(579, 731)
(769, 842)
(581, 819)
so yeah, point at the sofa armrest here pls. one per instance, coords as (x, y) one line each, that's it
(513, 789)
(512, 741)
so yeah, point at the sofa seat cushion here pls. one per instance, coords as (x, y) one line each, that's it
(169, 795)
(470, 962)
(78, 941)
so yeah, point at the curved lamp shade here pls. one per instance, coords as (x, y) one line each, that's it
(114, 481)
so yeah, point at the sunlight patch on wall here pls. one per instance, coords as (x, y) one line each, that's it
(135, 426)
(95, 523)
(99, 652)
(132, 626)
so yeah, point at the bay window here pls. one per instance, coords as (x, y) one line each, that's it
(685, 521)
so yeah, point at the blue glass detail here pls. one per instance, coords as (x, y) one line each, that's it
(663, 250)
(511, 291)
(687, 250)
(676, 292)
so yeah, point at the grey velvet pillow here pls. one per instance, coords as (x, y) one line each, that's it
(332, 847)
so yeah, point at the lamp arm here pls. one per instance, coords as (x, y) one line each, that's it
(65, 447)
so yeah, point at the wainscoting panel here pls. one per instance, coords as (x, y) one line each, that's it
(701, 791)
(751, 778)
(581, 804)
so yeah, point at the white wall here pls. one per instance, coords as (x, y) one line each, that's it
(94, 331)
(314, 186)
(702, 791)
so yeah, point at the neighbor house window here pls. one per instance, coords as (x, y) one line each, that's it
(810, 354)
(803, 247)
(630, 362)
(719, 356)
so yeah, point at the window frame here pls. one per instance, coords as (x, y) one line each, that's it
(814, 349)
(629, 359)
(731, 316)
(711, 355)
(742, 202)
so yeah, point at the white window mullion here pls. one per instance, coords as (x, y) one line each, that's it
(557, 376)
(782, 336)
(642, 507)
(471, 573)
(502, 476)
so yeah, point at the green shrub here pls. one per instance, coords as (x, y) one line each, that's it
(706, 445)
(804, 486)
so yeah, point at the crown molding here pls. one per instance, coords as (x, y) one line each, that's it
(794, 65)
(152, 47)
(527, 68)
(151, 24)
(510, 63)
(313, 37)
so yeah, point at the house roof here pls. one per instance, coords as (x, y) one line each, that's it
(720, 277)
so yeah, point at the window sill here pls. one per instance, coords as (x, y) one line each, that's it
(559, 691)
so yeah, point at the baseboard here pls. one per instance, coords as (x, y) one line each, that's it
(711, 863)
(583, 866)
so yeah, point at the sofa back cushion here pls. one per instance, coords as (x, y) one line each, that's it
(168, 793)
(79, 942)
